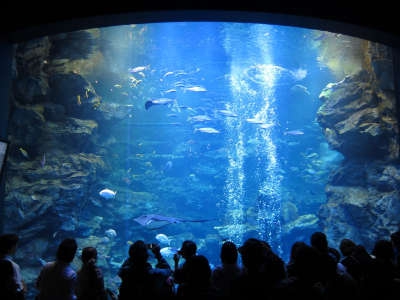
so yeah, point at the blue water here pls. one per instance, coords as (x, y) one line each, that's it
(239, 178)
(268, 157)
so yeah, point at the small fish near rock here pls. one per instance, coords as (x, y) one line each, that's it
(24, 152)
(107, 194)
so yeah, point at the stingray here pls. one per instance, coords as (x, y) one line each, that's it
(152, 219)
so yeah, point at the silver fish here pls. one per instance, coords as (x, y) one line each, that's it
(199, 118)
(294, 132)
(206, 130)
(160, 101)
(254, 121)
(138, 69)
(196, 88)
(227, 113)
(107, 194)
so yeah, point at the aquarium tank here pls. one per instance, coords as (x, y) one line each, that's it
(208, 131)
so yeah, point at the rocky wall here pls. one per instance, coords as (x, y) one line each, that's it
(359, 118)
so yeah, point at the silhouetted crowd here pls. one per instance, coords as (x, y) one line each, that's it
(314, 271)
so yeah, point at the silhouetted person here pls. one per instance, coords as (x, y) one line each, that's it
(8, 248)
(382, 282)
(197, 282)
(139, 278)
(229, 270)
(90, 281)
(349, 261)
(339, 284)
(365, 275)
(327, 257)
(395, 239)
(57, 279)
(291, 266)
(303, 280)
(263, 270)
(187, 251)
(8, 287)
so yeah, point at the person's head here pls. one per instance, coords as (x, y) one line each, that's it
(8, 243)
(295, 249)
(66, 250)
(307, 263)
(89, 256)
(188, 249)
(253, 253)
(199, 270)
(229, 253)
(383, 250)
(138, 252)
(347, 247)
(319, 241)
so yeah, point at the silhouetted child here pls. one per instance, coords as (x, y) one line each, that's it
(90, 281)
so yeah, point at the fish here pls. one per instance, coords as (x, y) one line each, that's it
(146, 220)
(138, 69)
(199, 118)
(168, 73)
(163, 239)
(23, 152)
(160, 101)
(170, 91)
(254, 121)
(298, 88)
(111, 233)
(43, 160)
(168, 165)
(266, 125)
(293, 132)
(227, 113)
(196, 88)
(168, 252)
(41, 261)
(107, 194)
(207, 130)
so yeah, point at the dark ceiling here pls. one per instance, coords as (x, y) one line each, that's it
(377, 21)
